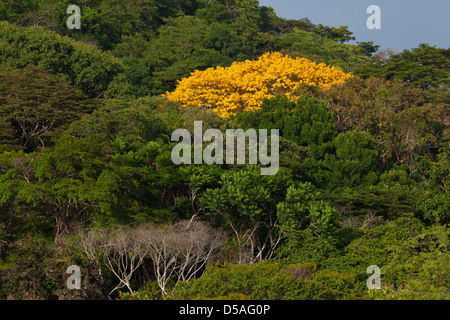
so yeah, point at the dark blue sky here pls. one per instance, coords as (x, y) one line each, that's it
(404, 23)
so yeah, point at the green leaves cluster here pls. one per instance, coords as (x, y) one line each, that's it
(36, 106)
(269, 281)
(92, 70)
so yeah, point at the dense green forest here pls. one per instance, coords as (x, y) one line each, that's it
(86, 176)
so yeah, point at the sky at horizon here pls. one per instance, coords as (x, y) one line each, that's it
(404, 23)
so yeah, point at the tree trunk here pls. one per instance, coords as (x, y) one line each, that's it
(62, 229)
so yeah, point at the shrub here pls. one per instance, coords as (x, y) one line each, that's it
(269, 280)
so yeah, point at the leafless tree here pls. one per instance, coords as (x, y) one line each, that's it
(265, 249)
(384, 55)
(367, 221)
(251, 247)
(123, 250)
(181, 251)
(164, 253)
(349, 222)
(88, 242)
(198, 246)
(178, 252)
(245, 240)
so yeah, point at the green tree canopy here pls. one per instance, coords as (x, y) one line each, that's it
(83, 65)
(35, 106)
(424, 67)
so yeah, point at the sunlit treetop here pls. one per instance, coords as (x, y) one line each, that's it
(244, 85)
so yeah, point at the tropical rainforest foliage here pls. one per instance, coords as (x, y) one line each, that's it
(86, 176)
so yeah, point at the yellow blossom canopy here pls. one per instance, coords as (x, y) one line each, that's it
(244, 85)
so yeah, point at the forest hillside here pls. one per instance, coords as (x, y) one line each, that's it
(90, 120)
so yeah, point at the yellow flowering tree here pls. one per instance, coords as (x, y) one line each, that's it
(244, 85)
